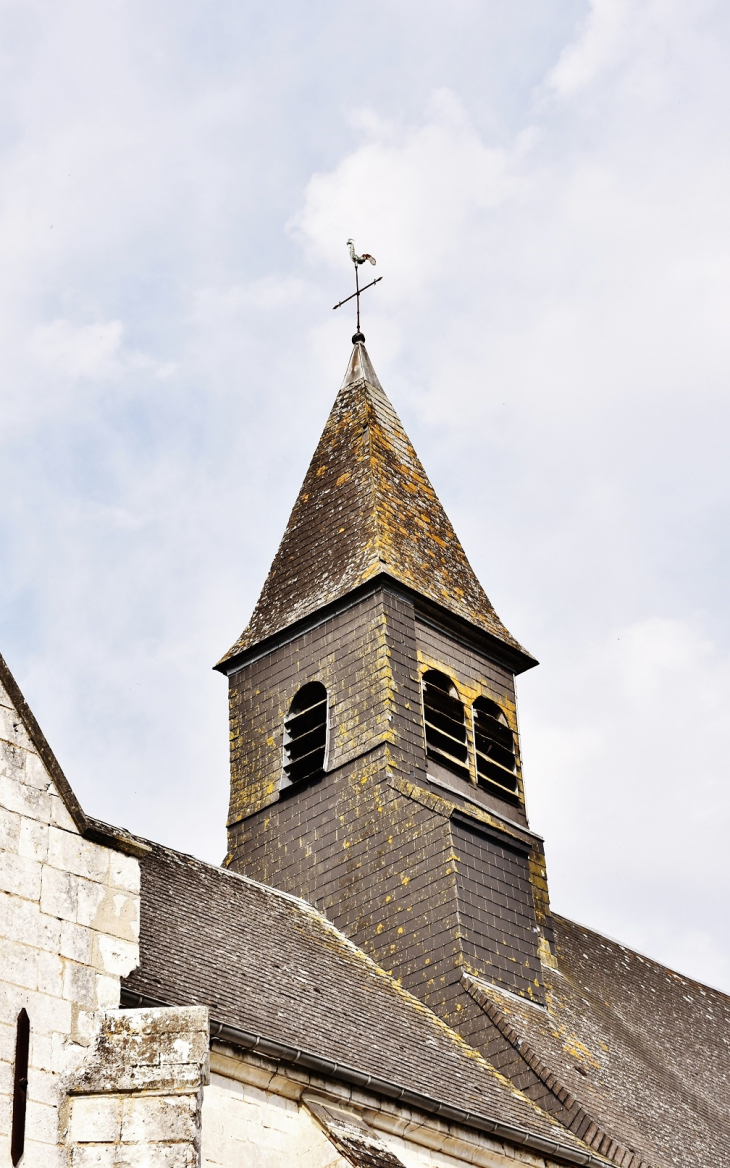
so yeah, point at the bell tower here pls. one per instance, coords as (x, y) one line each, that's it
(375, 763)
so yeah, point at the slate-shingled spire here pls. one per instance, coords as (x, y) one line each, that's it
(366, 508)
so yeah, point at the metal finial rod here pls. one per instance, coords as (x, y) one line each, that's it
(357, 293)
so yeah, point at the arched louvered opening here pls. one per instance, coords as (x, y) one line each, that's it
(305, 734)
(494, 744)
(443, 715)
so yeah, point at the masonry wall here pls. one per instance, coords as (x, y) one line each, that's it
(136, 1102)
(69, 927)
(257, 1113)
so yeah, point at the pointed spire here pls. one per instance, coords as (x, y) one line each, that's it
(366, 507)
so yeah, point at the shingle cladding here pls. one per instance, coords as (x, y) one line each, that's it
(359, 842)
(366, 507)
(268, 963)
(496, 908)
(630, 1055)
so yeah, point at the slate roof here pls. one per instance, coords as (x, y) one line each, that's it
(266, 962)
(366, 507)
(645, 1051)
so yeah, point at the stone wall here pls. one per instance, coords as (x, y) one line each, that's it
(265, 1115)
(136, 1101)
(69, 928)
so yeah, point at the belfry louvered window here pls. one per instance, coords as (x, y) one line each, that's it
(494, 744)
(305, 734)
(445, 724)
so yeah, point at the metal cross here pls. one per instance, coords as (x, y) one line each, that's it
(357, 260)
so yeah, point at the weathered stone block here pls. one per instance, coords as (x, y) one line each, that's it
(69, 852)
(75, 942)
(36, 775)
(59, 814)
(38, 1155)
(106, 992)
(79, 984)
(50, 974)
(96, 1119)
(59, 894)
(161, 1156)
(19, 964)
(124, 872)
(154, 1119)
(42, 1087)
(9, 829)
(109, 911)
(95, 1156)
(33, 841)
(114, 956)
(20, 876)
(90, 897)
(24, 800)
(22, 920)
(48, 1014)
(40, 1050)
(12, 729)
(7, 1043)
(42, 1121)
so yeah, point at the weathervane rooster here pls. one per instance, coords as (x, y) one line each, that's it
(356, 259)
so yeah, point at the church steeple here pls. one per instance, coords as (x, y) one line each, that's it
(375, 763)
(366, 507)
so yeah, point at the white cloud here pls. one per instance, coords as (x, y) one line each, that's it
(628, 776)
(608, 33)
(409, 193)
(91, 351)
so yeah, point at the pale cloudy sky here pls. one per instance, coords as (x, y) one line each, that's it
(546, 186)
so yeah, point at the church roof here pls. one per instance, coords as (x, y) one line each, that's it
(366, 508)
(643, 1051)
(269, 963)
